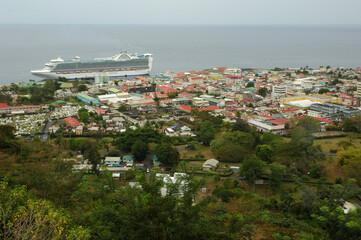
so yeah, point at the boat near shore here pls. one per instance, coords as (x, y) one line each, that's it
(120, 65)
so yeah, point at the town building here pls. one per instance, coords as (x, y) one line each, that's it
(279, 90)
(87, 99)
(333, 111)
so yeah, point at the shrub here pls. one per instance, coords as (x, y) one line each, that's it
(114, 153)
(333, 151)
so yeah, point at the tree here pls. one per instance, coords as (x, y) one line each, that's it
(309, 124)
(250, 84)
(93, 157)
(23, 216)
(82, 87)
(49, 88)
(277, 172)
(122, 108)
(323, 90)
(172, 94)
(302, 137)
(206, 133)
(139, 150)
(352, 124)
(242, 126)
(350, 162)
(84, 116)
(252, 168)
(167, 154)
(227, 151)
(7, 139)
(264, 152)
(307, 91)
(263, 92)
(241, 138)
(337, 225)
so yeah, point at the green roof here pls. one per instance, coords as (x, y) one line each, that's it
(58, 102)
(252, 89)
(66, 85)
(180, 99)
(212, 99)
(115, 90)
(85, 96)
(25, 85)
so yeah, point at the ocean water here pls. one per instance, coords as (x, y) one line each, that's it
(179, 48)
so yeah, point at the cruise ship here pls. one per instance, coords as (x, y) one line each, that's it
(120, 65)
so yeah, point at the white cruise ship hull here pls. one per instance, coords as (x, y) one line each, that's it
(73, 76)
(120, 65)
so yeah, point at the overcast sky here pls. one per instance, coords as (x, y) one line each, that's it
(181, 11)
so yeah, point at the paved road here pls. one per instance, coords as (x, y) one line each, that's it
(44, 134)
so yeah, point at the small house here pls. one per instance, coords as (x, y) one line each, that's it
(210, 164)
(112, 161)
(129, 159)
(79, 130)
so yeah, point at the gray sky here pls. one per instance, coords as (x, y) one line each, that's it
(181, 11)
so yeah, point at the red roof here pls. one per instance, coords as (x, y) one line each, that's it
(3, 105)
(20, 107)
(185, 94)
(233, 108)
(149, 103)
(167, 89)
(231, 103)
(185, 108)
(100, 110)
(323, 120)
(349, 98)
(279, 121)
(72, 122)
(212, 108)
(290, 110)
(167, 100)
(268, 117)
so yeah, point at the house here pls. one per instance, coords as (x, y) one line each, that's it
(139, 165)
(185, 95)
(170, 132)
(71, 122)
(234, 169)
(112, 161)
(79, 130)
(100, 111)
(156, 161)
(129, 159)
(210, 164)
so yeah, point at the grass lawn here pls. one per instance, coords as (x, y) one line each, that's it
(187, 153)
(331, 143)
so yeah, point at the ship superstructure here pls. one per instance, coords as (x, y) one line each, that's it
(120, 65)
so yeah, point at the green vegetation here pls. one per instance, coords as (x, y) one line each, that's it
(286, 190)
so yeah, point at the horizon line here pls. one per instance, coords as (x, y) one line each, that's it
(194, 24)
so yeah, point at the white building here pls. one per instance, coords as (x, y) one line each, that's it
(279, 90)
(358, 93)
(210, 164)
